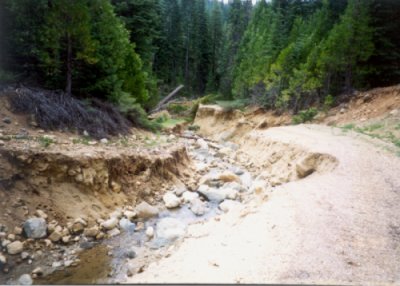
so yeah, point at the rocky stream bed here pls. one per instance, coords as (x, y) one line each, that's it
(133, 237)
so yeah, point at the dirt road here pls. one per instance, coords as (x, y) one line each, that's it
(339, 227)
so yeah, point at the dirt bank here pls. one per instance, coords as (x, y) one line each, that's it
(338, 225)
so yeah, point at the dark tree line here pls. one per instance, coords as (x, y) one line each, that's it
(279, 53)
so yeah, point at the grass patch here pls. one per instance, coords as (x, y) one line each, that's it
(373, 127)
(83, 140)
(389, 136)
(171, 122)
(45, 141)
(348, 127)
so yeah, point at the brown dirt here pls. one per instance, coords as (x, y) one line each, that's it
(339, 225)
(79, 177)
(364, 106)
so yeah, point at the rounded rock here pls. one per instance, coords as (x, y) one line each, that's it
(15, 247)
(150, 232)
(35, 228)
(25, 279)
(171, 200)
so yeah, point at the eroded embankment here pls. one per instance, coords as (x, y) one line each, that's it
(270, 160)
(64, 182)
(335, 227)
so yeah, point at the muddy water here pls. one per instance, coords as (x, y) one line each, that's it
(107, 262)
(94, 268)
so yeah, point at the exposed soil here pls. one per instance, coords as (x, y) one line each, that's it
(339, 225)
(319, 203)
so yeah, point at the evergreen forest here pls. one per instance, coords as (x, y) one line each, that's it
(280, 54)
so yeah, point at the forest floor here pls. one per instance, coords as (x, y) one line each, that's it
(317, 203)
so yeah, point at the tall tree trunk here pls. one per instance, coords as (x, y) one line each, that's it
(68, 88)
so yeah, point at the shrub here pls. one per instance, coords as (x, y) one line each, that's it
(58, 111)
(45, 141)
(177, 108)
(328, 102)
(305, 115)
(136, 114)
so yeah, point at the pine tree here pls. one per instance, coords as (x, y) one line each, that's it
(348, 44)
(216, 42)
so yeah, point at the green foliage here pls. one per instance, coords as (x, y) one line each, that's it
(136, 114)
(45, 141)
(79, 40)
(349, 126)
(177, 108)
(328, 102)
(305, 116)
(229, 105)
(193, 127)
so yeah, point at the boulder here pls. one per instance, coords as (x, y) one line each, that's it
(35, 228)
(77, 227)
(41, 214)
(198, 207)
(3, 260)
(189, 196)
(55, 236)
(15, 247)
(180, 190)
(7, 120)
(170, 229)
(306, 166)
(91, 231)
(110, 223)
(25, 279)
(127, 225)
(130, 214)
(113, 232)
(217, 195)
(150, 232)
(171, 200)
(18, 230)
(131, 254)
(144, 210)
(24, 255)
(38, 271)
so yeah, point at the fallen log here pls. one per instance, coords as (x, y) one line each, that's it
(165, 100)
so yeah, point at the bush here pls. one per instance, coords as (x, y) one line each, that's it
(58, 111)
(328, 102)
(176, 108)
(305, 115)
(136, 114)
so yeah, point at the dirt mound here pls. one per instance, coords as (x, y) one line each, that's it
(363, 106)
